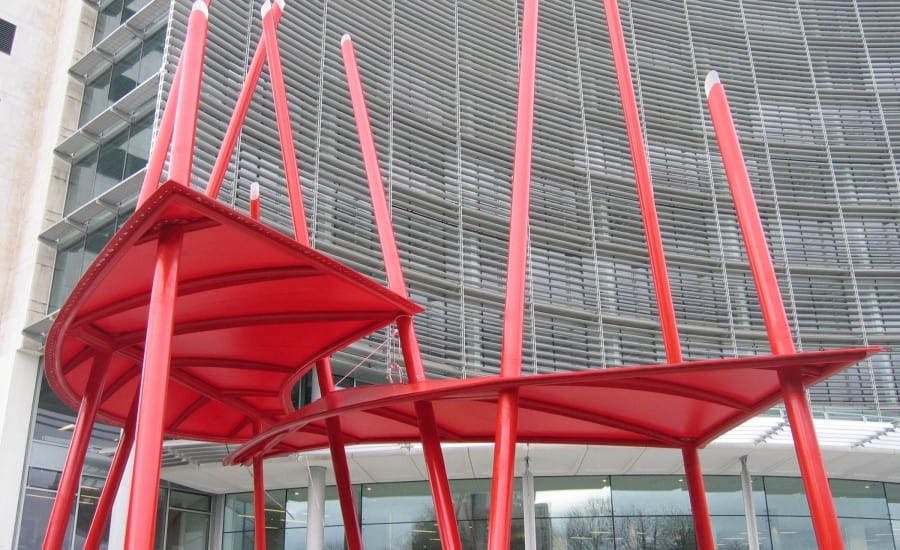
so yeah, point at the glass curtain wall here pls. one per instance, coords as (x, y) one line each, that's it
(593, 512)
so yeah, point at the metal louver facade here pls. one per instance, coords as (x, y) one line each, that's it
(815, 86)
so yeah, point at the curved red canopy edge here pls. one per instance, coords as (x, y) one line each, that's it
(255, 310)
(687, 404)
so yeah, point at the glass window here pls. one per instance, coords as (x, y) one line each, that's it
(35, 516)
(66, 272)
(152, 54)
(892, 490)
(110, 164)
(125, 75)
(81, 182)
(650, 495)
(785, 496)
(648, 531)
(189, 501)
(860, 499)
(575, 533)
(868, 534)
(791, 532)
(730, 532)
(107, 20)
(472, 498)
(96, 96)
(725, 496)
(572, 497)
(131, 7)
(187, 530)
(239, 520)
(397, 503)
(139, 145)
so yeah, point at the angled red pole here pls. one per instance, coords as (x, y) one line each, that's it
(655, 251)
(140, 527)
(186, 109)
(412, 356)
(809, 455)
(283, 120)
(81, 437)
(217, 176)
(254, 201)
(113, 481)
(301, 235)
(697, 493)
(656, 254)
(339, 462)
(163, 141)
(514, 309)
(259, 504)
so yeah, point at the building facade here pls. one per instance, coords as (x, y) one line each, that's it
(815, 88)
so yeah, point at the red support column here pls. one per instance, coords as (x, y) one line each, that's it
(339, 462)
(81, 437)
(240, 112)
(259, 504)
(697, 492)
(657, 256)
(412, 356)
(812, 468)
(141, 523)
(283, 120)
(113, 481)
(514, 309)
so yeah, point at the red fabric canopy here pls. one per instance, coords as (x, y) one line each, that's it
(656, 406)
(255, 309)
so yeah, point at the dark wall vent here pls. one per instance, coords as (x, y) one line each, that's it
(7, 33)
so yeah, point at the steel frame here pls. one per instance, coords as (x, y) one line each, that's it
(144, 426)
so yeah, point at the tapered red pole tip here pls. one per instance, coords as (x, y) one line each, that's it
(280, 4)
(712, 78)
(345, 38)
(200, 5)
(254, 191)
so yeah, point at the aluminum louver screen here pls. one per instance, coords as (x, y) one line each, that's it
(815, 87)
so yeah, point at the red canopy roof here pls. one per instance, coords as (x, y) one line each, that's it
(255, 309)
(655, 406)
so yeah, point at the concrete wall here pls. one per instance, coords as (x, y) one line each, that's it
(37, 99)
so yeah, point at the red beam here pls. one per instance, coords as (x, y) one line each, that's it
(597, 418)
(187, 107)
(412, 356)
(81, 437)
(113, 480)
(283, 121)
(162, 142)
(764, 278)
(196, 285)
(657, 256)
(236, 122)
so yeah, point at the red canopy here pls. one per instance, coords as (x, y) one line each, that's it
(255, 309)
(657, 405)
